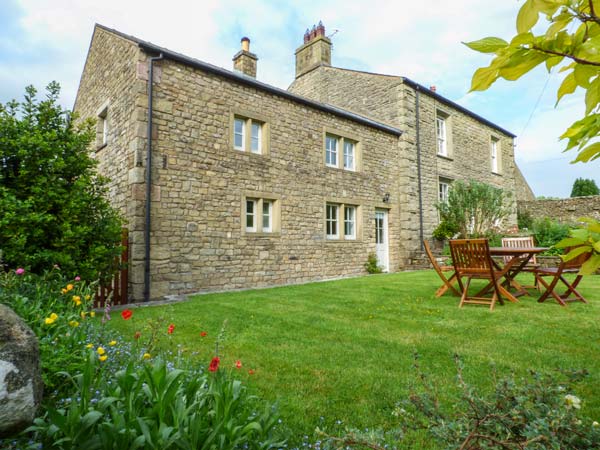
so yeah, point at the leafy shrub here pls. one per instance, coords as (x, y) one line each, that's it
(548, 232)
(445, 230)
(524, 220)
(474, 208)
(53, 208)
(371, 266)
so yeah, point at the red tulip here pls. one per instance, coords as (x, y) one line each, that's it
(203, 333)
(126, 314)
(238, 364)
(171, 329)
(214, 364)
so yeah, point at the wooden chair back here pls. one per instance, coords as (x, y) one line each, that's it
(519, 242)
(448, 281)
(471, 256)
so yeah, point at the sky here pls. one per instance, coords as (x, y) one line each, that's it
(43, 40)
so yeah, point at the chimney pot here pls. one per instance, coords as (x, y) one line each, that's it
(432, 88)
(306, 36)
(245, 44)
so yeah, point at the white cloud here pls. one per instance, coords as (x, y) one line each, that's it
(421, 40)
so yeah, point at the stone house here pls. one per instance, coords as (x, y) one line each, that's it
(252, 185)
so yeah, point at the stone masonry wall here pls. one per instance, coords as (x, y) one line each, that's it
(113, 77)
(387, 99)
(198, 242)
(566, 210)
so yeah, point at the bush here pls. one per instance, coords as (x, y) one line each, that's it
(548, 232)
(474, 208)
(371, 265)
(583, 187)
(524, 220)
(445, 230)
(53, 208)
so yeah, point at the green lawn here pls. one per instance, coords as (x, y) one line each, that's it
(343, 350)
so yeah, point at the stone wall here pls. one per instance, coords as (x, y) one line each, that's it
(388, 99)
(566, 210)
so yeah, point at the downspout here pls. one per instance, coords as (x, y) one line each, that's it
(418, 131)
(149, 180)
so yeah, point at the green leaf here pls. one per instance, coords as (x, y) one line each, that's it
(527, 17)
(483, 78)
(553, 61)
(568, 242)
(521, 64)
(522, 38)
(574, 253)
(591, 152)
(90, 418)
(487, 45)
(580, 233)
(590, 266)
(568, 86)
(583, 73)
(592, 96)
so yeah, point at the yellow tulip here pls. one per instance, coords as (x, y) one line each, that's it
(112, 343)
(89, 346)
(77, 298)
(83, 314)
(102, 358)
(147, 356)
(87, 297)
(101, 351)
(63, 290)
(74, 323)
(69, 287)
(92, 313)
(48, 321)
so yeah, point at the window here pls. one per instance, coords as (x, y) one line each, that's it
(495, 156)
(331, 144)
(341, 221)
(341, 152)
(331, 221)
(267, 216)
(248, 135)
(442, 144)
(102, 128)
(251, 215)
(348, 155)
(261, 215)
(444, 189)
(349, 222)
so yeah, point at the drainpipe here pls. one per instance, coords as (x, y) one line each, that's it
(418, 131)
(149, 180)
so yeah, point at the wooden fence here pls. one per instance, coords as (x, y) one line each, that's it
(115, 290)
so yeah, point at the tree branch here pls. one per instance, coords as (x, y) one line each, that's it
(566, 55)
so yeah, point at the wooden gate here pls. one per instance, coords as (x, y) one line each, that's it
(115, 290)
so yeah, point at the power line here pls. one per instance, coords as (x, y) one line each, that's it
(536, 104)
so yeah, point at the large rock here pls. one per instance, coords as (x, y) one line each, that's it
(20, 377)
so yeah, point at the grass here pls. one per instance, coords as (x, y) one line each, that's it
(343, 350)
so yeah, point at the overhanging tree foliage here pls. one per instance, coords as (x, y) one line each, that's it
(474, 208)
(571, 41)
(583, 187)
(53, 208)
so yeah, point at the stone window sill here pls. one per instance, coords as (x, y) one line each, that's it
(446, 157)
(101, 146)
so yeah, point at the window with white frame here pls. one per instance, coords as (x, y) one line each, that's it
(341, 152)
(348, 155)
(444, 190)
(331, 153)
(332, 221)
(341, 221)
(494, 156)
(349, 222)
(248, 135)
(261, 215)
(442, 141)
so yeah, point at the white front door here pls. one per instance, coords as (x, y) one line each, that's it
(381, 239)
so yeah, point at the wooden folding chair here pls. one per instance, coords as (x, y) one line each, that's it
(572, 266)
(448, 281)
(471, 258)
(523, 242)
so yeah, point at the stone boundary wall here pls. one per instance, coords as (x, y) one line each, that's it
(566, 210)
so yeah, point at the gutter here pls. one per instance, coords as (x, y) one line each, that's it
(418, 131)
(149, 179)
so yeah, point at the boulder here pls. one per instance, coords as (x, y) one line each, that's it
(20, 378)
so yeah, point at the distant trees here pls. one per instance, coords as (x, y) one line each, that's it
(583, 187)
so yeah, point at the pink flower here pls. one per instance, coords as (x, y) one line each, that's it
(77, 278)
(20, 271)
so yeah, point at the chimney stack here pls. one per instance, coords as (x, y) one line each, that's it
(244, 61)
(315, 51)
(432, 88)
